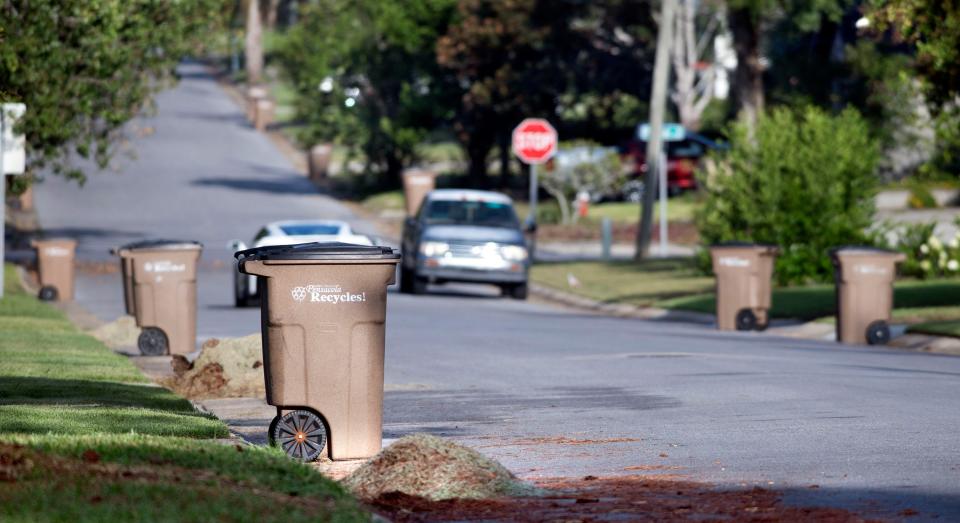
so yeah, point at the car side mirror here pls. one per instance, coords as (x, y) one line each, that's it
(236, 245)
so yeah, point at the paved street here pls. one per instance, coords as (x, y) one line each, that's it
(548, 391)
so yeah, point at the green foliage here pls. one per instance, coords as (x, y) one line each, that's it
(921, 197)
(85, 67)
(945, 164)
(366, 76)
(928, 256)
(934, 27)
(582, 167)
(803, 181)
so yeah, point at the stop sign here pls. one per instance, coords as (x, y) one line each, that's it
(534, 141)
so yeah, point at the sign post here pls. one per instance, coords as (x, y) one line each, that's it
(12, 161)
(670, 132)
(534, 142)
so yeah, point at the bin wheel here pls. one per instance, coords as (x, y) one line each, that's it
(746, 320)
(300, 433)
(48, 293)
(878, 333)
(153, 342)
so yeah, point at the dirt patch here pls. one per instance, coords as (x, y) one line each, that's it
(122, 332)
(432, 468)
(629, 498)
(227, 368)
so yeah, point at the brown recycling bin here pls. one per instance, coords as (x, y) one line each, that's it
(263, 114)
(160, 291)
(254, 93)
(864, 278)
(318, 163)
(323, 312)
(743, 274)
(55, 265)
(417, 183)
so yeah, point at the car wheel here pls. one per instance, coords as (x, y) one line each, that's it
(406, 280)
(517, 291)
(419, 285)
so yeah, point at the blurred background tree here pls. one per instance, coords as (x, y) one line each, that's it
(86, 67)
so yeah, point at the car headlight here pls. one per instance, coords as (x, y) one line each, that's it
(434, 248)
(513, 252)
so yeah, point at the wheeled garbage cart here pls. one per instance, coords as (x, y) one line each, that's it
(864, 278)
(160, 290)
(323, 312)
(743, 285)
(55, 267)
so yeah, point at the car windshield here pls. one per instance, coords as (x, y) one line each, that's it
(479, 213)
(310, 229)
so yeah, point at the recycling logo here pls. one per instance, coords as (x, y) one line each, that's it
(299, 293)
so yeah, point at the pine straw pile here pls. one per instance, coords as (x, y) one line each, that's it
(227, 368)
(434, 468)
(120, 333)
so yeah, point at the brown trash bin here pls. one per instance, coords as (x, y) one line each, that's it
(864, 278)
(417, 183)
(254, 93)
(161, 293)
(743, 272)
(323, 313)
(55, 265)
(318, 163)
(263, 115)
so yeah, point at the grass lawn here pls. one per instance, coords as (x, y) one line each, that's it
(938, 328)
(85, 437)
(674, 284)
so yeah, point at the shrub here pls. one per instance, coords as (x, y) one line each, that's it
(921, 197)
(927, 255)
(802, 180)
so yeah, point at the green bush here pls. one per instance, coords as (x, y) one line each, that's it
(801, 180)
(921, 197)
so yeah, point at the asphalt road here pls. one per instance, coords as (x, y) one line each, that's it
(548, 391)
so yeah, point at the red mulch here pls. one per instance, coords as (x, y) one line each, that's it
(627, 498)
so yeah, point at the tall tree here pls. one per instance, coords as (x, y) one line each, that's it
(84, 68)
(254, 43)
(696, 25)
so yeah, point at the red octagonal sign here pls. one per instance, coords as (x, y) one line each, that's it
(534, 141)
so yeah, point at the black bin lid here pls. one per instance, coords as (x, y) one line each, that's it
(161, 244)
(318, 251)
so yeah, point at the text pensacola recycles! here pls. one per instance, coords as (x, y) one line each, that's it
(326, 294)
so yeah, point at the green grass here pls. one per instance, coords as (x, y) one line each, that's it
(385, 201)
(66, 397)
(938, 328)
(681, 209)
(675, 284)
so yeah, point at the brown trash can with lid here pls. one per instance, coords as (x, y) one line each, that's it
(263, 114)
(126, 273)
(743, 272)
(417, 183)
(163, 277)
(55, 265)
(254, 93)
(864, 279)
(323, 313)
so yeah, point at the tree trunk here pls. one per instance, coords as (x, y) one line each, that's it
(477, 150)
(254, 44)
(273, 6)
(748, 78)
(504, 139)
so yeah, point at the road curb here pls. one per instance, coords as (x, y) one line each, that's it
(620, 310)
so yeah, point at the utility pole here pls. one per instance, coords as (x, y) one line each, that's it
(658, 100)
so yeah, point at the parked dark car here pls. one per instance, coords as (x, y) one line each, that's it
(464, 236)
(683, 158)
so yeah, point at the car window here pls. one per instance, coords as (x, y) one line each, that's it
(479, 213)
(311, 229)
(686, 149)
(261, 234)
